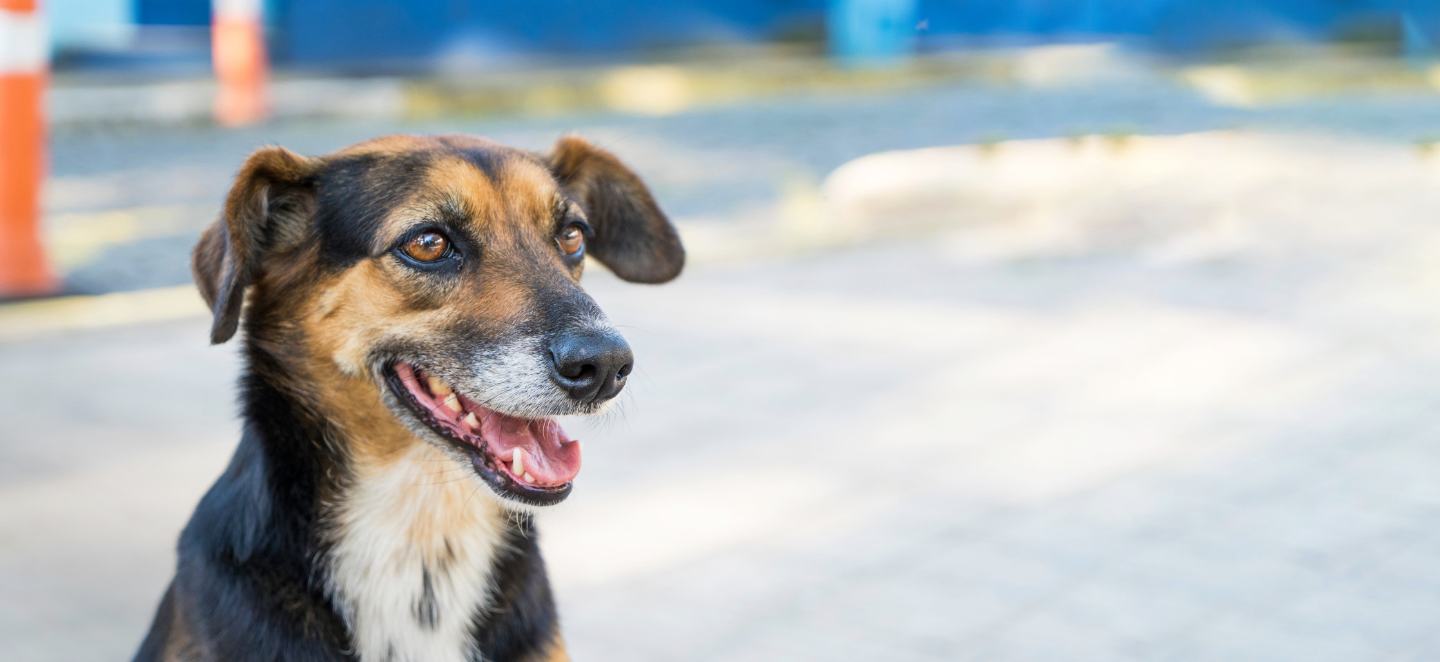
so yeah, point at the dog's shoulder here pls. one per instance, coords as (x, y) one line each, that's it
(237, 593)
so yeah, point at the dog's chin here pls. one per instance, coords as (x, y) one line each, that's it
(524, 461)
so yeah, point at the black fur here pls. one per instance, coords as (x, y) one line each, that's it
(158, 639)
(355, 193)
(250, 582)
(426, 610)
(524, 590)
(249, 570)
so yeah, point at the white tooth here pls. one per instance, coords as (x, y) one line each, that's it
(439, 387)
(453, 403)
(471, 421)
(529, 478)
(517, 467)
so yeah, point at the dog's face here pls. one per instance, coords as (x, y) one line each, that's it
(444, 271)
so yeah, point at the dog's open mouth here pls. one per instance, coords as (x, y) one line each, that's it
(530, 460)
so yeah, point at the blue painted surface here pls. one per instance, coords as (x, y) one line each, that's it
(173, 12)
(1179, 25)
(360, 33)
(1421, 22)
(321, 31)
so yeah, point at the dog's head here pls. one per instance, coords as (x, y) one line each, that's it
(441, 274)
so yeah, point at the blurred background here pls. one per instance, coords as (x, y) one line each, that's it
(1012, 330)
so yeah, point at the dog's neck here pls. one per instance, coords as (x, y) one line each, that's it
(405, 546)
(414, 547)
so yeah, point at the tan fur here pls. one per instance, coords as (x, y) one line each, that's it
(555, 652)
(398, 143)
(427, 509)
(407, 512)
(622, 211)
(410, 516)
(182, 646)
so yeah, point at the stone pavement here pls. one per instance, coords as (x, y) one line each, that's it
(912, 448)
(1059, 415)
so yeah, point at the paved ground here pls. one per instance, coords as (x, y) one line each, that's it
(1106, 435)
(866, 454)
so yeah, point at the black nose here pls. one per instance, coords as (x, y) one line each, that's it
(591, 366)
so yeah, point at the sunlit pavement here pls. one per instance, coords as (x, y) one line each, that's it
(1052, 429)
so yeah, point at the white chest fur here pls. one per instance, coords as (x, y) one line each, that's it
(410, 568)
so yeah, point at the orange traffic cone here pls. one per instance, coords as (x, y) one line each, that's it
(24, 270)
(237, 45)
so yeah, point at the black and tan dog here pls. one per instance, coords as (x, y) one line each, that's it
(413, 325)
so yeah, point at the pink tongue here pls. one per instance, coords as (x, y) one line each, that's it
(550, 457)
(547, 455)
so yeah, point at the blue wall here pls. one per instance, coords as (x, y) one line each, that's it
(362, 33)
(335, 31)
(173, 12)
(1170, 24)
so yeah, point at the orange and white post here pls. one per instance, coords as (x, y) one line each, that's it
(237, 49)
(24, 64)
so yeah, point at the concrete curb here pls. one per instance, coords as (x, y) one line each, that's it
(641, 89)
(666, 89)
(27, 320)
(190, 102)
(662, 89)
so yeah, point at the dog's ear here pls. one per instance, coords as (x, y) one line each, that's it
(632, 236)
(266, 211)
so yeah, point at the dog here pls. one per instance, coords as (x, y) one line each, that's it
(412, 323)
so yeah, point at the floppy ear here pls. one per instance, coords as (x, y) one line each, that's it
(632, 236)
(266, 210)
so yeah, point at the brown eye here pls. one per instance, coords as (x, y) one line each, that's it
(427, 246)
(572, 240)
